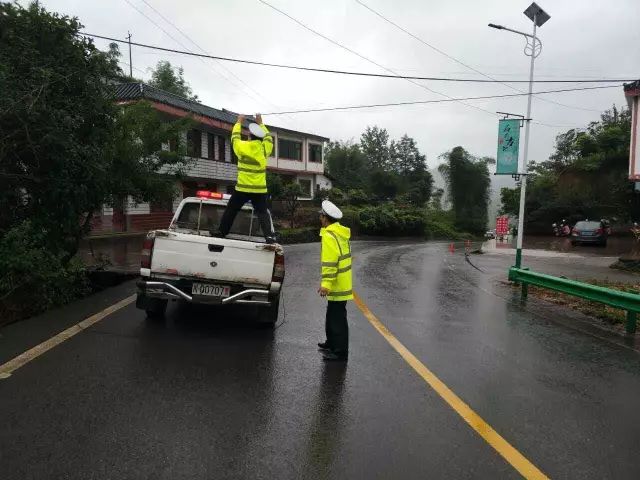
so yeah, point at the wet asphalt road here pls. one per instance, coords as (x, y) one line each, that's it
(208, 395)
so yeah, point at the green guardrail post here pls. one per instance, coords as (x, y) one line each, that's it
(631, 322)
(525, 291)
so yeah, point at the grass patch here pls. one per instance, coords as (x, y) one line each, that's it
(609, 315)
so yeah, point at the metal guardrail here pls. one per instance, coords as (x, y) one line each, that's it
(614, 298)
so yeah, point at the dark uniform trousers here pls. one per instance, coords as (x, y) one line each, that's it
(237, 201)
(336, 327)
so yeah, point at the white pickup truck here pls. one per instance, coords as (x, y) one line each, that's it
(184, 262)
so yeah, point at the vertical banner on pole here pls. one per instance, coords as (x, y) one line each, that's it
(508, 146)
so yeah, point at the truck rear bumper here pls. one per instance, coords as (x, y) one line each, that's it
(167, 291)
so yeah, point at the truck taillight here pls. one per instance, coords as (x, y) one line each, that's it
(147, 251)
(278, 268)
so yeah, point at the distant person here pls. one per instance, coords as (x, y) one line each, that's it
(251, 183)
(336, 283)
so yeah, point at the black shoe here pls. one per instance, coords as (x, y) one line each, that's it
(271, 240)
(334, 357)
(324, 347)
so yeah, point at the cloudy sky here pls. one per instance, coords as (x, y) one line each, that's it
(583, 39)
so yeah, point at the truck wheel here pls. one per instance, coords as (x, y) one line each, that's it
(156, 309)
(268, 316)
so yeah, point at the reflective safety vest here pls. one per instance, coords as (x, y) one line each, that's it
(252, 160)
(336, 262)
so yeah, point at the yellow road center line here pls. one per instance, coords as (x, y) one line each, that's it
(12, 365)
(493, 438)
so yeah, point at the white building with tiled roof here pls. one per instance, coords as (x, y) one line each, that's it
(297, 156)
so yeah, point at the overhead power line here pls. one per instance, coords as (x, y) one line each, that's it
(444, 100)
(359, 55)
(256, 95)
(346, 72)
(502, 82)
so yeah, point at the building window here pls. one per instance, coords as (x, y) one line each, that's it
(315, 153)
(194, 143)
(306, 187)
(211, 150)
(221, 149)
(290, 150)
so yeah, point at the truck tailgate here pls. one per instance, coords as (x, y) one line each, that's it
(219, 259)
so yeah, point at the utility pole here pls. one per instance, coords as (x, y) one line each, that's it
(539, 17)
(130, 61)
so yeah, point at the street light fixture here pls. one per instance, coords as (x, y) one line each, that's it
(532, 49)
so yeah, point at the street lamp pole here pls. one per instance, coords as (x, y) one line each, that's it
(539, 17)
(525, 155)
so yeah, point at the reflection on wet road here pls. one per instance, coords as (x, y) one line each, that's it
(208, 395)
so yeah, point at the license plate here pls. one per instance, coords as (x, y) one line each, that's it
(587, 234)
(209, 290)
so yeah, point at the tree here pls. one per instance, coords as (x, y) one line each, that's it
(384, 185)
(405, 156)
(374, 144)
(510, 201)
(469, 187)
(290, 195)
(585, 177)
(66, 149)
(170, 79)
(345, 163)
(275, 185)
(436, 199)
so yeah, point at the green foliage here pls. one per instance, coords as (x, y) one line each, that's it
(135, 156)
(405, 156)
(384, 185)
(469, 188)
(290, 195)
(299, 235)
(510, 201)
(170, 79)
(66, 149)
(337, 196)
(358, 197)
(34, 277)
(388, 220)
(585, 177)
(345, 163)
(275, 185)
(374, 144)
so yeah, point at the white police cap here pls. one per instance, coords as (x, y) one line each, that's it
(330, 210)
(256, 131)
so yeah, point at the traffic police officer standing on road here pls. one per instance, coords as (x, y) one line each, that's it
(252, 177)
(336, 282)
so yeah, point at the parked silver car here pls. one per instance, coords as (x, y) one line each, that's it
(589, 232)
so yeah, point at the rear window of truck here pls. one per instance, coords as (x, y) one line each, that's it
(208, 219)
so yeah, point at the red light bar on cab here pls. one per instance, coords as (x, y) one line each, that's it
(212, 195)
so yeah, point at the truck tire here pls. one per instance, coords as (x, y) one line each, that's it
(156, 308)
(268, 316)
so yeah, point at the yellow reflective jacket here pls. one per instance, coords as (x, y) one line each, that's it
(336, 261)
(252, 160)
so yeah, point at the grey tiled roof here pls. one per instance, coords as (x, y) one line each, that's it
(137, 91)
(632, 86)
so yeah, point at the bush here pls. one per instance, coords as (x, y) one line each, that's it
(337, 196)
(358, 197)
(33, 277)
(391, 221)
(299, 235)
